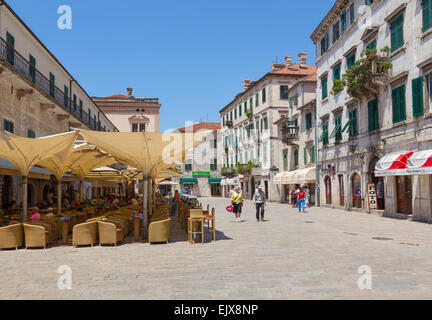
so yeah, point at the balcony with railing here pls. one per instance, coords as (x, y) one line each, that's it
(33, 75)
(290, 133)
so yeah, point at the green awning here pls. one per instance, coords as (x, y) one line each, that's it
(188, 180)
(215, 180)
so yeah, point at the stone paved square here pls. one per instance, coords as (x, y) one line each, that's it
(315, 255)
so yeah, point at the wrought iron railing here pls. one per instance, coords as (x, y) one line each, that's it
(29, 71)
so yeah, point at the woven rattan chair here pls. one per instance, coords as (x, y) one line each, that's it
(109, 233)
(36, 236)
(12, 236)
(159, 230)
(84, 234)
(209, 222)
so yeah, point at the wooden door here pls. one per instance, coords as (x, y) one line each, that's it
(327, 183)
(404, 194)
(341, 191)
(356, 191)
(266, 189)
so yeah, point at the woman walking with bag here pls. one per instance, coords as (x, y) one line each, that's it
(236, 201)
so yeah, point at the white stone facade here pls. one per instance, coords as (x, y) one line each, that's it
(349, 172)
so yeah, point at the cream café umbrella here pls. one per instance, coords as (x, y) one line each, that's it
(27, 152)
(82, 160)
(145, 150)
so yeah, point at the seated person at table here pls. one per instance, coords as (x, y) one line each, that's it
(35, 215)
(50, 212)
(134, 201)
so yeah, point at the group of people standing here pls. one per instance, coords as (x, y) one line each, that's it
(258, 198)
(300, 198)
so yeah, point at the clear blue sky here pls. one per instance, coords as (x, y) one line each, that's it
(191, 54)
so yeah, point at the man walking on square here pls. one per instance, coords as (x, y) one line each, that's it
(259, 201)
(301, 195)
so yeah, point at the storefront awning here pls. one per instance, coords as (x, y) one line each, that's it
(301, 176)
(214, 180)
(188, 180)
(403, 164)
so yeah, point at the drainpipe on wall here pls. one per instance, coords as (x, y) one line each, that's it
(317, 170)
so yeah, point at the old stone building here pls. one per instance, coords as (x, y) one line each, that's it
(131, 114)
(297, 140)
(249, 133)
(382, 114)
(38, 97)
(201, 172)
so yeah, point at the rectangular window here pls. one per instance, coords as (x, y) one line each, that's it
(10, 51)
(337, 73)
(337, 131)
(324, 88)
(305, 155)
(285, 159)
(373, 115)
(353, 131)
(296, 157)
(52, 84)
(312, 154)
(213, 165)
(240, 110)
(427, 14)
(32, 68)
(256, 100)
(8, 126)
(324, 135)
(89, 114)
(343, 21)
(351, 60)
(188, 165)
(284, 92)
(336, 32)
(142, 127)
(263, 95)
(352, 13)
(308, 121)
(235, 114)
(369, 2)
(66, 96)
(134, 127)
(397, 33)
(251, 103)
(399, 107)
(81, 109)
(245, 107)
(31, 134)
(265, 123)
(372, 45)
(417, 96)
(231, 115)
(74, 102)
(324, 43)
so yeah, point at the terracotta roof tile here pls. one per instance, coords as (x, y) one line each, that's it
(295, 69)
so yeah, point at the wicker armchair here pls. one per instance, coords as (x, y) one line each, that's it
(12, 236)
(50, 227)
(109, 233)
(84, 234)
(36, 236)
(159, 230)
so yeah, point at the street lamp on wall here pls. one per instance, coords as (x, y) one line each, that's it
(352, 146)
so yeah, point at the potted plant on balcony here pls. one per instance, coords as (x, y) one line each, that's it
(249, 113)
(362, 78)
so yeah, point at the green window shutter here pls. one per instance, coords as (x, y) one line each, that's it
(372, 45)
(285, 159)
(52, 84)
(325, 134)
(397, 33)
(245, 107)
(240, 110)
(402, 103)
(284, 92)
(264, 95)
(324, 87)
(266, 123)
(305, 155)
(235, 114)
(351, 60)
(8, 126)
(427, 15)
(343, 21)
(373, 115)
(308, 121)
(353, 123)
(256, 100)
(417, 95)
(296, 157)
(338, 134)
(231, 115)
(336, 73)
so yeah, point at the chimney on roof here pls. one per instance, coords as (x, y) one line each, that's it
(288, 60)
(302, 58)
(129, 90)
(246, 84)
